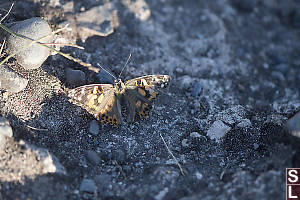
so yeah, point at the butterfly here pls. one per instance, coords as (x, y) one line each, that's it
(105, 101)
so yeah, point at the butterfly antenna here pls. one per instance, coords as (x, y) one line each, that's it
(125, 65)
(106, 71)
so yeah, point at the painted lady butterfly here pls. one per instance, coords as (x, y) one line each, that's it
(105, 101)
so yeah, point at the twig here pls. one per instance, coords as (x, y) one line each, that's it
(181, 170)
(37, 129)
(120, 168)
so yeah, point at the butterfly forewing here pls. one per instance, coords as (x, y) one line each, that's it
(99, 100)
(142, 91)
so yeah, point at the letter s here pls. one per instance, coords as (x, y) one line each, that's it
(293, 178)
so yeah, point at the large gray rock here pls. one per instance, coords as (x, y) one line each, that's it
(34, 28)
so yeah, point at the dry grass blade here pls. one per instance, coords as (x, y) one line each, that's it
(12, 5)
(181, 169)
(2, 46)
(120, 168)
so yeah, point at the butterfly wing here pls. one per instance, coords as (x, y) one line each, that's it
(99, 100)
(141, 91)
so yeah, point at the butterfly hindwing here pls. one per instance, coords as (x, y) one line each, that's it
(99, 100)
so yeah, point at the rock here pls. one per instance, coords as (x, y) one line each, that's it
(11, 81)
(99, 20)
(195, 135)
(218, 130)
(105, 77)
(50, 162)
(88, 185)
(179, 70)
(244, 5)
(282, 67)
(244, 123)
(94, 127)
(293, 124)
(5, 131)
(185, 143)
(75, 77)
(5, 128)
(162, 194)
(93, 157)
(140, 9)
(198, 175)
(278, 76)
(255, 146)
(34, 56)
(185, 82)
(103, 180)
(196, 89)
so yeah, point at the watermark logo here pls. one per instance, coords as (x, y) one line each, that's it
(293, 183)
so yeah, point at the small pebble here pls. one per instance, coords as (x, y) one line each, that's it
(195, 135)
(93, 157)
(282, 67)
(179, 70)
(185, 143)
(244, 5)
(198, 175)
(88, 185)
(34, 28)
(255, 146)
(103, 180)
(11, 81)
(244, 123)
(104, 77)
(278, 76)
(94, 127)
(185, 82)
(218, 130)
(197, 89)
(75, 77)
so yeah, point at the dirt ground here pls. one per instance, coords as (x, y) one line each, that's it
(235, 68)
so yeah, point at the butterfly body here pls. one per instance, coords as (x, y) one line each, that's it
(105, 101)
